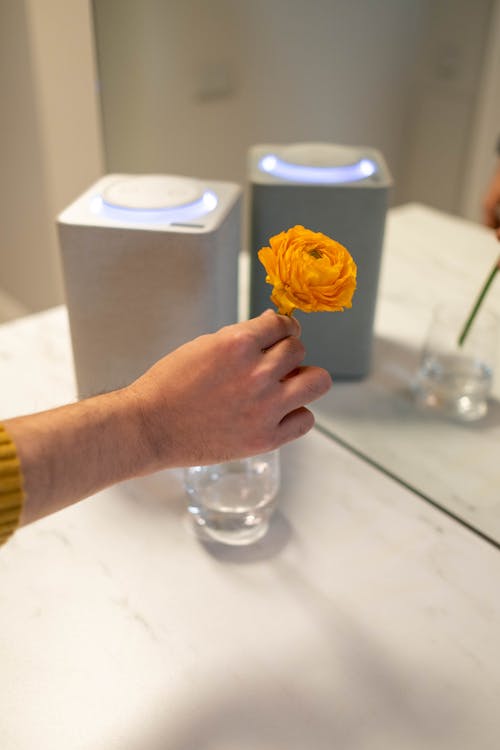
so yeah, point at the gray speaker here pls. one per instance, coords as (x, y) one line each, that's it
(340, 191)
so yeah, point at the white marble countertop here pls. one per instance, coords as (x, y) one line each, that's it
(428, 256)
(365, 620)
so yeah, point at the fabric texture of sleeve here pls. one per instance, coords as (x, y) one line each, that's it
(11, 487)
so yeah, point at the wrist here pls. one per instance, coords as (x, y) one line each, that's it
(128, 441)
(141, 421)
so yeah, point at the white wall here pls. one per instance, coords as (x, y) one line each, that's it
(400, 75)
(50, 147)
(282, 70)
(445, 99)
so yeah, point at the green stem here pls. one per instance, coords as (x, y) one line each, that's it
(479, 300)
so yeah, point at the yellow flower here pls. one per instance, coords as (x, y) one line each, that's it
(309, 271)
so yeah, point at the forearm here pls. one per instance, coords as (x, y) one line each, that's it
(69, 453)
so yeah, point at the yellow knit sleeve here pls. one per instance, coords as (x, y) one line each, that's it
(11, 487)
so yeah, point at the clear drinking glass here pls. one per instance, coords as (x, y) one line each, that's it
(233, 502)
(456, 380)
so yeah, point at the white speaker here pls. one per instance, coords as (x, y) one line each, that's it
(340, 191)
(149, 262)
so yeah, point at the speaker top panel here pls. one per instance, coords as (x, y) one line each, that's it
(153, 201)
(318, 164)
(152, 192)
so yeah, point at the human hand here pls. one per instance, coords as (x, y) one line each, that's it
(491, 203)
(234, 393)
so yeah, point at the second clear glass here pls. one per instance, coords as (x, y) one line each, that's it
(456, 380)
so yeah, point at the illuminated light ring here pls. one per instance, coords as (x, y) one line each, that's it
(275, 166)
(177, 214)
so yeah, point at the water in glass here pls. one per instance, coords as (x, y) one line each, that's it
(455, 385)
(233, 502)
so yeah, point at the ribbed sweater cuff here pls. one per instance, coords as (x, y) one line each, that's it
(11, 487)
